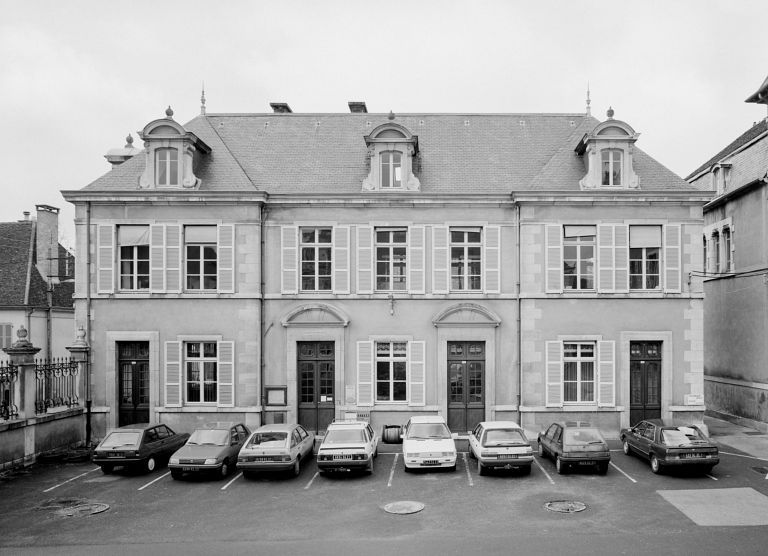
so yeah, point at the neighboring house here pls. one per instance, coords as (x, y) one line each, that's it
(36, 283)
(298, 267)
(736, 275)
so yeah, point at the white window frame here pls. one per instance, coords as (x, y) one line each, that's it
(387, 159)
(728, 247)
(465, 261)
(201, 275)
(164, 160)
(568, 242)
(6, 334)
(389, 246)
(316, 245)
(391, 359)
(717, 256)
(201, 381)
(134, 262)
(612, 164)
(579, 360)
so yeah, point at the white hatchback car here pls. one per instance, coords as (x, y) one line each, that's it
(348, 445)
(428, 443)
(500, 445)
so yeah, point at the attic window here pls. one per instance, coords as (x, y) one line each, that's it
(391, 170)
(390, 157)
(167, 167)
(611, 167)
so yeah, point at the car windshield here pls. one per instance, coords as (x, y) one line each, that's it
(209, 437)
(504, 437)
(583, 436)
(428, 430)
(269, 439)
(118, 439)
(682, 436)
(342, 436)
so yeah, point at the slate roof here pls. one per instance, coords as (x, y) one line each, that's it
(326, 153)
(20, 281)
(752, 133)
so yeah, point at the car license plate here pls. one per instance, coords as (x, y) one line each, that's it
(692, 455)
(189, 468)
(506, 456)
(430, 462)
(586, 463)
(115, 455)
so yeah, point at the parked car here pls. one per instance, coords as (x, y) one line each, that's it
(427, 443)
(667, 443)
(575, 443)
(211, 450)
(500, 445)
(276, 448)
(140, 446)
(348, 445)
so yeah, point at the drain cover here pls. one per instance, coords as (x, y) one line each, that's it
(403, 507)
(761, 470)
(73, 507)
(565, 506)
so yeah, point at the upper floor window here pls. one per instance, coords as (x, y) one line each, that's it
(167, 166)
(644, 257)
(391, 170)
(200, 248)
(706, 253)
(316, 264)
(579, 372)
(391, 371)
(716, 250)
(466, 261)
(201, 362)
(579, 257)
(5, 335)
(727, 248)
(133, 243)
(391, 249)
(611, 167)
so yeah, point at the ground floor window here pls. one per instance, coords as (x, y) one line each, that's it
(201, 362)
(579, 372)
(391, 371)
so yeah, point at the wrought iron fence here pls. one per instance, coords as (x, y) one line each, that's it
(9, 374)
(56, 384)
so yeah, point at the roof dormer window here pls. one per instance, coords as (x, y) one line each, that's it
(608, 155)
(391, 170)
(167, 167)
(612, 161)
(391, 153)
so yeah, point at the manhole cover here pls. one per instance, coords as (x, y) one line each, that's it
(403, 507)
(73, 507)
(565, 506)
(761, 470)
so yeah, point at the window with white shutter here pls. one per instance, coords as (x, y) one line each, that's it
(492, 259)
(440, 259)
(157, 257)
(554, 258)
(365, 373)
(606, 372)
(226, 374)
(416, 373)
(173, 374)
(416, 259)
(289, 256)
(554, 371)
(672, 258)
(364, 259)
(340, 258)
(105, 242)
(226, 258)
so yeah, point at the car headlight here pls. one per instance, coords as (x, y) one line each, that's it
(211, 461)
(449, 454)
(174, 461)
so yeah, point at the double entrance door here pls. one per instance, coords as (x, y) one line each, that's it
(466, 385)
(644, 381)
(133, 382)
(317, 375)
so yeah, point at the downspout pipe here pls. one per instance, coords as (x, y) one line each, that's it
(518, 244)
(88, 400)
(262, 319)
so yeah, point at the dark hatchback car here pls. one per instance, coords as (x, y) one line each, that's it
(140, 446)
(575, 443)
(667, 443)
(211, 450)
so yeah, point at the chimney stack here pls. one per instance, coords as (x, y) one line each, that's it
(280, 108)
(47, 242)
(117, 156)
(26, 216)
(357, 107)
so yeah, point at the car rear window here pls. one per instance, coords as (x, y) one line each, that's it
(504, 437)
(209, 437)
(341, 436)
(682, 436)
(583, 436)
(117, 439)
(269, 439)
(428, 430)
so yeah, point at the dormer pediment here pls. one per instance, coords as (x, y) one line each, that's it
(608, 154)
(392, 149)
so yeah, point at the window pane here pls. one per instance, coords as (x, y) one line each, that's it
(399, 370)
(325, 235)
(307, 235)
(382, 391)
(399, 392)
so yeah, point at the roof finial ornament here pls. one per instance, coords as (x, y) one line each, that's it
(202, 101)
(129, 141)
(391, 115)
(589, 108)
(609, 113)
(169, 112)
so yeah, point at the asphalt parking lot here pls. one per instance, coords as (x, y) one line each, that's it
(629, 510)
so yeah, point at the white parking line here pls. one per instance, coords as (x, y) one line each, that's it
(742, 456)
(232, 481)
(72, 479)
(711, 477)
(536, 461)
(466, 467)
(309, 484)
(392, 471)
(616, 467)
(154, 481)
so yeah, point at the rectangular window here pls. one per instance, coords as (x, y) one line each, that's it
(167, 166)
(391, 371)
(579, 372)
(133, 244)
(706, 254)
(644, 257)
(6, 339)
(316, 264)
(391, 170)
(201, 257)
(579, 257)
(466, 261)
(391, 259)
(727, 246)
(716, 250)
(201, 376)
(611, 160)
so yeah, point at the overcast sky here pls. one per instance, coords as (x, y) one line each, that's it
(77, 76)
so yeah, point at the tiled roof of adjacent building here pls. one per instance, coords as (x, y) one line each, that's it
(755, 131)
(327, 153)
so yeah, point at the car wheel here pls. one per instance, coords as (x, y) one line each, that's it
(296, 471)
(707, 469)
(471, 454)
(626, 447)
(480, 468)
(452, 468)
(224, 470)
(526, 470)
(176, 474)
(602, 467)
(369, 469)
(655, 466)
(542, 454)
(559, 465)
(107, 468)
(407, 469)
(150, 464)
(248, 475)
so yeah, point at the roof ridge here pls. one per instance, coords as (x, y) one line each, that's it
(740, 141)
(229, 151)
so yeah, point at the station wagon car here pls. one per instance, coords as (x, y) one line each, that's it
(575, 443)
(668, 443)
(500, 445)
(427, 443)
(279, 447)
(211, 450)
(140, 446)
(348, 445)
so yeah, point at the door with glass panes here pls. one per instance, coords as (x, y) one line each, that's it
(466, 385)
(644, 381)
(316, 370)
(133, 377)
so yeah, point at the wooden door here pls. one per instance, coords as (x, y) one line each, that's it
(133, 373)
(466, 385)
(644, 381)
(316, 370)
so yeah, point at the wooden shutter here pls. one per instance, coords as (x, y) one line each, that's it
(416, 282)
(365, 373)
(672, 258)
(554, 258)
(364, 259)
(621, 257)
(157, 258)
(492, 259)
(605, 258)
(173, 372)
(554, 371)
(341, 259)
(173, 258)
(226, 258)
(416, 373)
(225, 384)
(440, 260)
(606, 373)
(105, 275)
(289, 257)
